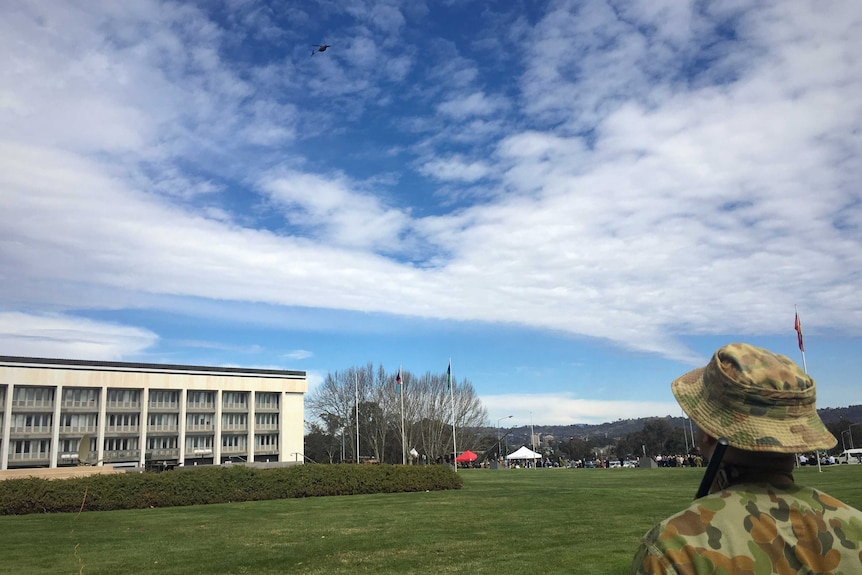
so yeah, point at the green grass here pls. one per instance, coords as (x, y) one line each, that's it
(581, 521)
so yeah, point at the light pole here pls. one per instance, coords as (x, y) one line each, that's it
(851, 433)
(844, 445)
(500, 436)
(532, 434)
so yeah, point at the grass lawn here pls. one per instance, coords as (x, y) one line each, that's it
(505, 521)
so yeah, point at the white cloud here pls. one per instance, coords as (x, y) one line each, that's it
(475, 104)
(637, 199)
(455, 168)
(351, 218)
(298, 354)
(247, 349)
(65, 336)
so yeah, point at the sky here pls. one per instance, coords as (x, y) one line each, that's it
(573, 202)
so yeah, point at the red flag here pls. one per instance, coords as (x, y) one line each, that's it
(398, 381)
(798, 327)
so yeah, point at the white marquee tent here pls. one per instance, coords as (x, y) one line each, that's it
(524, 453)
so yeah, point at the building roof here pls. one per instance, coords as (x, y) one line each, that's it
(49, 363)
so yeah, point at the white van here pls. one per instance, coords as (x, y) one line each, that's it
(851, 456)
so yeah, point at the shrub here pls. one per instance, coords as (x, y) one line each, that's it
(203, 485)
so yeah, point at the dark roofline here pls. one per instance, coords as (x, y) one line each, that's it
(153, 367)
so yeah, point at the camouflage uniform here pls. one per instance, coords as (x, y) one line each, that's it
(753, 529)
(760, 522)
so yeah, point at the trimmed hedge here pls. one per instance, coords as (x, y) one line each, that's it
(223, 484)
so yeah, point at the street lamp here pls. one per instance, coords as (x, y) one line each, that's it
(499, 435)
(851, 433)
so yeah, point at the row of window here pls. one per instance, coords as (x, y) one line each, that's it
(204, 442)
(35, 421)
(88, 397)
(42, 421)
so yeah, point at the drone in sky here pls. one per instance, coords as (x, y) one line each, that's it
(319, 48)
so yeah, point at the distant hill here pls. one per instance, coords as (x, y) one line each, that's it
(616, 429)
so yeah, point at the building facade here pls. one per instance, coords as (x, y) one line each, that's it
(57, 412)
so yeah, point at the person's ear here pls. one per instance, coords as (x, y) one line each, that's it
(706, 442)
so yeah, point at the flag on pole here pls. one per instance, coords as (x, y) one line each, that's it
(398, 382)
(449, 377)
(798, 327)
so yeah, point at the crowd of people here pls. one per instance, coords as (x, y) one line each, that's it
(811, 459)
(690, 460)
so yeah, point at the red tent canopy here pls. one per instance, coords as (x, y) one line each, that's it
(467, 456)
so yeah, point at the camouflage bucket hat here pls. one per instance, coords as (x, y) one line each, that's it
(758, 400)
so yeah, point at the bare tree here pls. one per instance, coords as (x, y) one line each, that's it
(428, 411)
(338, 397)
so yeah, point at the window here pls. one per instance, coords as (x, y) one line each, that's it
(30, 448)
(80, 397)
(234, 421)
(266, 400)
(72, 445)
(169, 442)
(124, 397)
(33, 397)
(31, 422)
(235, 400)
(163, 420)
(123, 420)
(120, 443)
(199, 443)
(200, 399)
(266, 420)
(266, 440)
(199, 420)
(164, 398)
(238, 442)
(78, 421)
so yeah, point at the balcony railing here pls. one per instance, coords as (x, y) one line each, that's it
(41, 405)
(78, 428)
(79, 405)
(122, 429)
(266, 408)
(31, 429)
(200, 406)
(124, 406)
(121, 454)
(32, 456)
(235, 407)
(156, 453)
(164, 406)
(162, 427)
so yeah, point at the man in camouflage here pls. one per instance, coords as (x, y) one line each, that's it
(755, 520)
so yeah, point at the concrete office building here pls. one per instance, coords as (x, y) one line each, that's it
(55, 411)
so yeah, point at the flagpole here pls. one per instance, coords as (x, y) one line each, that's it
(452, 401)
(797, 325)
(684, 434)
(356, 381)
(403, 439)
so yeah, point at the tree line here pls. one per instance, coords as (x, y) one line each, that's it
(429, 406)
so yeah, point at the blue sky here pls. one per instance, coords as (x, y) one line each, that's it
(576, 202)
